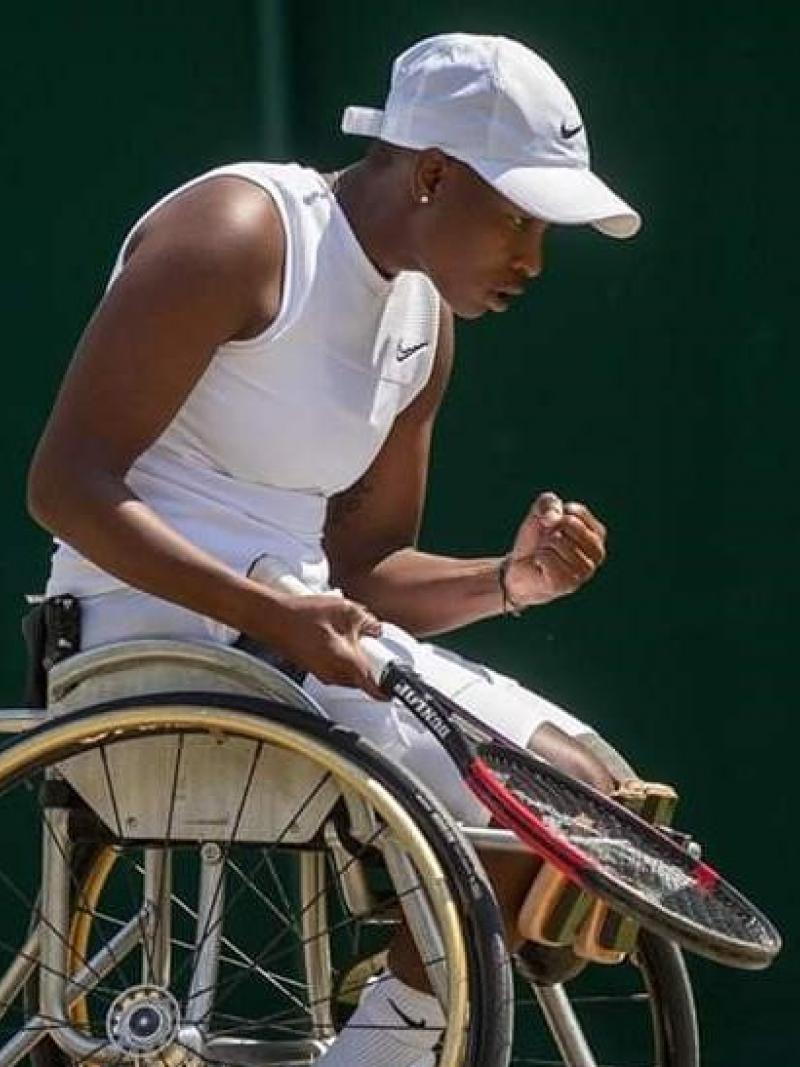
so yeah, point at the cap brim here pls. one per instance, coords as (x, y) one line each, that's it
(570, 196)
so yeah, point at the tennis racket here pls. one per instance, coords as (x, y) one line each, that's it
(600, 845)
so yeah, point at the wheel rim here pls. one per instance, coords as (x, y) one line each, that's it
(109, 728)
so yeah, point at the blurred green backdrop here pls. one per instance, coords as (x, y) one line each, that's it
(654, 379)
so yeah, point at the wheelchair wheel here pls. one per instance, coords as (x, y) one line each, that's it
(243, 853)
(640, 1013)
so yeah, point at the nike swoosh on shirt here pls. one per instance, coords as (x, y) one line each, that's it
(406, 353)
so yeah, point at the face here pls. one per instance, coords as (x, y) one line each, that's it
(479, 249)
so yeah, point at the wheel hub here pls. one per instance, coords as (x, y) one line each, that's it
(143, 1021)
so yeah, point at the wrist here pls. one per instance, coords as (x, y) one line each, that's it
(511, 606)
(523, 584)
(259, 611)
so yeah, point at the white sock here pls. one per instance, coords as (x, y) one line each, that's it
(393, 1026)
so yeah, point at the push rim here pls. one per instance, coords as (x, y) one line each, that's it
(129, 718)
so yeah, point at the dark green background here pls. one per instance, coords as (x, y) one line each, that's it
(654, 379)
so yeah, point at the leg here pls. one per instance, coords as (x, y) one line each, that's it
(515, 712)
(573, 755)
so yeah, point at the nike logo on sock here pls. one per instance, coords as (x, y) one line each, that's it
(415, 1024)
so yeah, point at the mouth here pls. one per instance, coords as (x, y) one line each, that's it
(500, 299)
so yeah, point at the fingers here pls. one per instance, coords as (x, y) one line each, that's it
(549, 508)
(585, 540)
(362, 623)
(565, 566)
(576, 524)
(363, 679)
(573, 546)
(580, 511)
(322, 635)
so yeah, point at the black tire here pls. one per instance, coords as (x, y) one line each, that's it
(488, 969)
(676, 1041)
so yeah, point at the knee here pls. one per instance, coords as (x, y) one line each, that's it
(582, 764)
(571, 756)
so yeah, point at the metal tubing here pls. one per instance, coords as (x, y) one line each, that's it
(316, 943)
(19, 972)
(156, 963)
(208, 938)
(241, 1052)
(564, 1026)
(491, 840)
(54, 932)
(16, 720)
(417, 913)
(350, 874)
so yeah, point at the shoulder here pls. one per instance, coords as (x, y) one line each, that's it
(224, 218)
(223, 234)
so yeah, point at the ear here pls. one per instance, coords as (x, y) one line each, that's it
(429, 172)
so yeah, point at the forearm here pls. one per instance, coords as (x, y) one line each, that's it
(103, 520)
(427, 594)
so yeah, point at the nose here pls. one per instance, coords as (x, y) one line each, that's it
(529, 256)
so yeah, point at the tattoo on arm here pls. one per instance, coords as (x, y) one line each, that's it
(348, 502)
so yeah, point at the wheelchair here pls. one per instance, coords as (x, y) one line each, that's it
(221, 870)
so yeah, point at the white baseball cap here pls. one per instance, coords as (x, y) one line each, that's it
(495, 105)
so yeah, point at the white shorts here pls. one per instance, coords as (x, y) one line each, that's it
(497, 700)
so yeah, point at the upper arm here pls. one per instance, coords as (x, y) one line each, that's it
(382, 512)
(202, 272)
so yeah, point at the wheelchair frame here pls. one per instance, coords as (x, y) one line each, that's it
(142, 669)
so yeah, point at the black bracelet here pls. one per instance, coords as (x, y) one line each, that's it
(509, 607)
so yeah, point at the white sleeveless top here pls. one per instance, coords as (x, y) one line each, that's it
(280, 422)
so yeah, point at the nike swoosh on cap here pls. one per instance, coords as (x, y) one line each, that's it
(570, 131)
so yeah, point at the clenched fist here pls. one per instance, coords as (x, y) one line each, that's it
(557, 549)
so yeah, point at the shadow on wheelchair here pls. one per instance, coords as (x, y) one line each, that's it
(222, 869)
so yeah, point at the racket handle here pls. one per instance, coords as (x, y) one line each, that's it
(272, 571)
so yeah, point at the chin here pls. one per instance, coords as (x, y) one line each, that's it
(469, 313)
(465, 303)
(469, 309)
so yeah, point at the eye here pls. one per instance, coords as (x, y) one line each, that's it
(519, 223)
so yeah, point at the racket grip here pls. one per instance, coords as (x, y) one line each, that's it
(272, 571)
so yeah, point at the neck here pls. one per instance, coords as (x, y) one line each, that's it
(368, 199)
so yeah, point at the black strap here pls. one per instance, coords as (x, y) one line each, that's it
(52, 632)
(254, 648)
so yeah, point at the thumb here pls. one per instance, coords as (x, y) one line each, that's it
(549, 509)
(545, 513)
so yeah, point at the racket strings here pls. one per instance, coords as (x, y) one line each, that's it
(648, 865)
